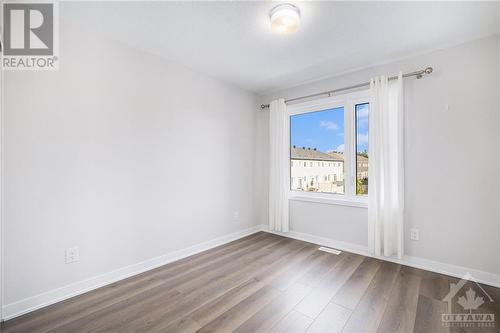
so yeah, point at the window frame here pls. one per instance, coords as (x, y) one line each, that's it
(348, 101)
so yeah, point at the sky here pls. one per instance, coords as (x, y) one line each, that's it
(362, 127)
(324, 130)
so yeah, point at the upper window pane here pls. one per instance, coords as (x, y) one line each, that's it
(317, 151)
(362, 148)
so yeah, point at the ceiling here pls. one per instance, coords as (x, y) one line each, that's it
(232, 40)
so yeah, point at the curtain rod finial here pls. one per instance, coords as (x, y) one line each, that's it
(264, 106)
(428, 70)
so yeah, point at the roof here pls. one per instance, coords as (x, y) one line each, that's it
(338, 156)
(362, 158)
(316, 155)
(313, 154)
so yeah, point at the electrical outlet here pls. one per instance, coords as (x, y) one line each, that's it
(414, 234)
(236, 215)
(72, 255)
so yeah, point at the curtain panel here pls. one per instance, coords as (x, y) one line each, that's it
(278, 159)
(386, 167)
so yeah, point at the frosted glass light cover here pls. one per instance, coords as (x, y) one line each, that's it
(285, 18)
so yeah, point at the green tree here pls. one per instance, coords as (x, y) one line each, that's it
(361, 187)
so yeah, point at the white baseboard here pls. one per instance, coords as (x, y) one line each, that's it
(487, 278)
(29, 304)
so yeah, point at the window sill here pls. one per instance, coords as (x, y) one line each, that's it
(360, 203)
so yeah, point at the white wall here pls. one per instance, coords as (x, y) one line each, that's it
(451, 157)
(120, 153)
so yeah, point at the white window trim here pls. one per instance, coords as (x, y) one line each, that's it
(348, 101)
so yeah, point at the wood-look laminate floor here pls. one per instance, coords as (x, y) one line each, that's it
(265, 283)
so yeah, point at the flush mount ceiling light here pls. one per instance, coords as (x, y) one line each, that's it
(285, 18)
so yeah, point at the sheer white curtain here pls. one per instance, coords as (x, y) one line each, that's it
(278, 175)
(386, 167)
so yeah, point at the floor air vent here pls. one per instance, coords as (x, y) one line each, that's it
(329, 250)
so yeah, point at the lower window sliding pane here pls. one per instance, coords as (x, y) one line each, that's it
(317, 151)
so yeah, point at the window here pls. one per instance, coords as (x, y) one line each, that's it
(362, 148)
(330, 136)
(320, 135)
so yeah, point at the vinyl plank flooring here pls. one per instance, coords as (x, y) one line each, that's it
(294, 322)
(156, 305)
(368, 313)
(332, 319)
(221, 265)
(313, 276)
(204, 290)
(435, 285)
(101, 298)
(82, 310)
(184, 325)
(320, 296)
(210, 310)
(263, 283)
(68, 311)
(351, 292)
(297, 268)
(428, 315)
(268, 316)
(217, 307)
(111, 318)
(203, 294)
(399, 316)
(208, 260)
(79, 306)
(257, 258)
(217, 252)
(494, 306)
(238, 314)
